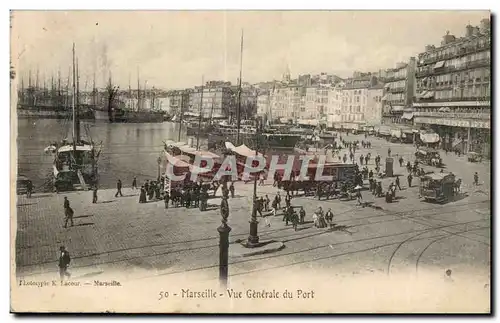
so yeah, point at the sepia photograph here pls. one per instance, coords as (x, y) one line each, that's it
(232, 161)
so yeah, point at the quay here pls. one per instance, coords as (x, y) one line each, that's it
(120, 234)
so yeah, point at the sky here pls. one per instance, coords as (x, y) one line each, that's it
(176, 49)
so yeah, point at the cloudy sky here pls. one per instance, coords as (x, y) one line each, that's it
(174, 49)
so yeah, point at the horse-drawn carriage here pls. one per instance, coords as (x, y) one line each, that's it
(429, 156)
(440, 187)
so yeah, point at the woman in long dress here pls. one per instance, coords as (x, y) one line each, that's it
(142, 196)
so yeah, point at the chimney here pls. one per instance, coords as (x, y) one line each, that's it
(468, 31)
(476, 31)
(485, 26)
(447, 38)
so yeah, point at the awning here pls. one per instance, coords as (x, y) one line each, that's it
(422, 94)
(439, 64)
(429, 94)
(429, 138)
(245, 151)
(397, 108)
(407, 115)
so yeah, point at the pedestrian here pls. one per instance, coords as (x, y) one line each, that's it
(329, 216)
(166, 199)
(389, 152)
(366, 159)
(142, 196)
(267, 221)
(476, 179)
(261, 180)
(361, 159)
(64, 261)
(302, 214)
(398, 183)
(295, 220)
(29, 188)
(231, 189)
(275, 205)
(359, 197)
(401, 160)
(146, 186)
(409, 179)
(118, 188)
(94, 194)
(134, 183)
(68, 213)
(266, 203)
(278, 199)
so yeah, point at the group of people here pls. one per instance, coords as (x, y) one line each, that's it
(149, 191)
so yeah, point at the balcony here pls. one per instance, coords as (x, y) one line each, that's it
(453, 115)
(397, 89)
(448, 69)
(456, 99)
(468, 50)
(394, 78)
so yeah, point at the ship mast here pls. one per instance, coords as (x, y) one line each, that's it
(199, 117)
(73, 104)
(138, 91)
(238, 111)
(77, 102)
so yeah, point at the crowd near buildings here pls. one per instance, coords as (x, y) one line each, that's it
(445, 89)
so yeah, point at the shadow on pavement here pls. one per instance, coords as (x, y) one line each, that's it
(84, 224)
(83, 216)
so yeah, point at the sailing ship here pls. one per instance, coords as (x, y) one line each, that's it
(119, 113)
(75, 163)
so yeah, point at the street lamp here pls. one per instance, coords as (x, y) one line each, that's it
(253, 237)
(224, 230)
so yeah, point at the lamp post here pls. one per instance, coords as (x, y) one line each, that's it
(224, 230)
(253, 237)
(159, 163)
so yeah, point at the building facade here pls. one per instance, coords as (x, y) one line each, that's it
(215, 99)
(286, 101)
(263, 100)
(361, 101)
(454, 90)
(334, 110)
(399, 92)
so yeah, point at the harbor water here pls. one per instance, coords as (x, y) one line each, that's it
(128, 149)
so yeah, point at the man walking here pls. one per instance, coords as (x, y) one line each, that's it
(409, 179)
(166, 199)
(64, 260)
(398, 184)
(68, 213)
(29, 188)
(476, 179)
(134, 183)
(94, 194)
(118, 188)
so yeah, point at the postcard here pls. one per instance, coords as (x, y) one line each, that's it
(251, 161)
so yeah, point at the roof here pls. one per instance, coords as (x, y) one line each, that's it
(67, 148)
(438, 176)
(244, 151)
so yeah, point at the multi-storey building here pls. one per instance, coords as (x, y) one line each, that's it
(334, 110)
(217, 100)
(177, 99)
(286, 101)
(453, 90)
(361, 101)
(263, 100)
(399, 91)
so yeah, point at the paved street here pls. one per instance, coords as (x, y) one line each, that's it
(145, 240)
